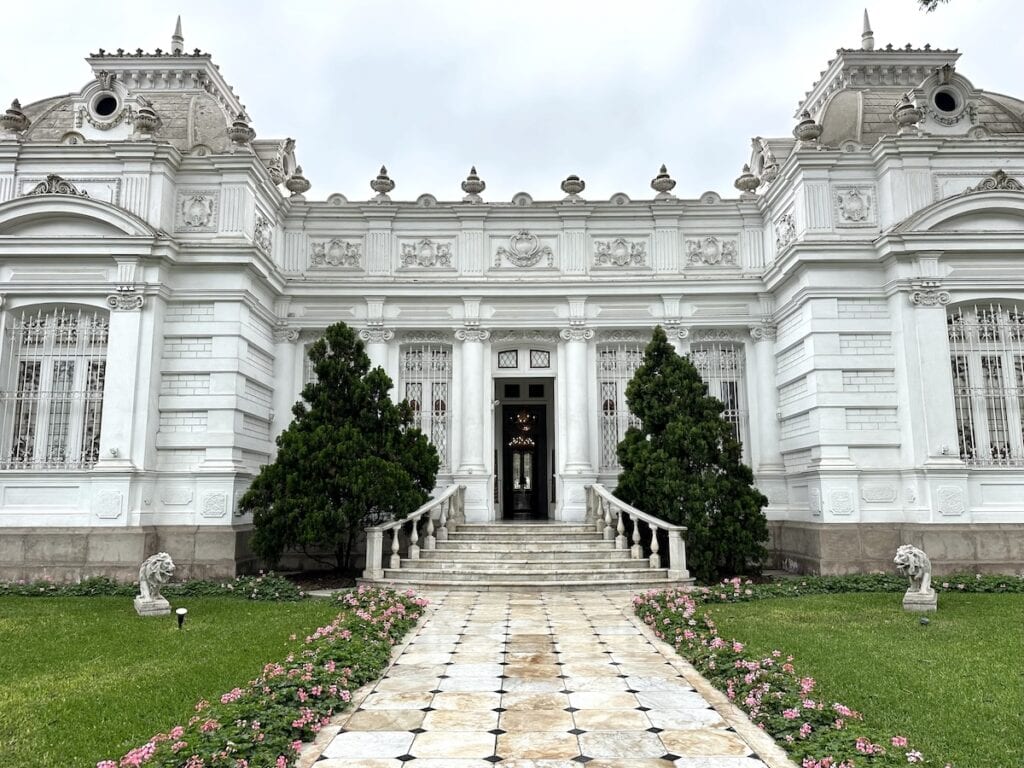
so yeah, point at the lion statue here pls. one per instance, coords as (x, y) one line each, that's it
(153, 574)
(914, 564)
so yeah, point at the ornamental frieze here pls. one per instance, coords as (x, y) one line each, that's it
(524, 250)
(711, 251)
(337, 253)
(620, 253)
(427, 253)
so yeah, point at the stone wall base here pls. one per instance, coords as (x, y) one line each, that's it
(831, 549)
(72, 554)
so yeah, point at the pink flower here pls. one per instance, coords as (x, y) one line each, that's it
(805, 730)
(282, 762)
(899, 741)
(791, 714)
(106, 764)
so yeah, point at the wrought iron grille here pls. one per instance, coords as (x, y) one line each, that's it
(426, 382)
(986, 348)
(53, 395)
(721, 366)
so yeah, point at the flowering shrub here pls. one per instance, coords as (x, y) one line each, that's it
(264, 586)
(265, 722)
(816, 733)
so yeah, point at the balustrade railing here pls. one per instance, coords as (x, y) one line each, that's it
(608, 515)
(436, 518)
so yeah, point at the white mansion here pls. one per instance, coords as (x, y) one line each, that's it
(859, 309)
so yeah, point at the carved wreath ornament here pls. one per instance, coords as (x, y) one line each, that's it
(711, 251)
(620, 253)
(336, 253)
(426, 253)
(524, 250)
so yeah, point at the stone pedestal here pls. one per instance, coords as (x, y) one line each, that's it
(921, 602)
(158, 607)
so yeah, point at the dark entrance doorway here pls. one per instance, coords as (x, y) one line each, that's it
(524, 462)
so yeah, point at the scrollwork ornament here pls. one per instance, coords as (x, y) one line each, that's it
(785, 231)
(426, 253)
(997, 181)
(620, 253)
(472, 334)
(716, 334)
(284, 333)
(577, 334)
(125, 302)
(930, 294)
(764, 332)
(56, 185)
(262, 234)
(711, 251)
(376, 335)
(336, 253)
(524, 250)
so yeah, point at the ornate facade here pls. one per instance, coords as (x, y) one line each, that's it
(858, 308)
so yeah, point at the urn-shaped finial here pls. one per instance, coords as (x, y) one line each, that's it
(14, 120)
(663, 184)
(746, 182)
(382, 185)
(297, 184)
(906, 114)
(473, 186)
(572, 186)
(146, 120)
(240, 132)
(807, 129)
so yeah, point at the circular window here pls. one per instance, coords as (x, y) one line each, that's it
(105, 104)
(945, 101)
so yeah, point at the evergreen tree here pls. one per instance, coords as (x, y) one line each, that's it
(684, 465)
(349, 459)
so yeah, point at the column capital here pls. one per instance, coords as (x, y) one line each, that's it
(674, 330)
(283, 333)
(929, 293)
(125, 301)
(472, 334)
(763, 332)
(376, 334)
(577, 334)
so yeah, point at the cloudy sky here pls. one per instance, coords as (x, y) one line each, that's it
(529, 91)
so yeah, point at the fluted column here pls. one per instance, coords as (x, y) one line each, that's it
(472, 398)
(577, 449)
(766, 404)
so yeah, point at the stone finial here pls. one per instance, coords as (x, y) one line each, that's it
(807, 129)
(906, 114)
(297, 184)
(14, 120)
(146, 120)
(154, 573)
(747, 182)
(867, 37)
(177, 41)
(915, 565)
(663, 184)
(473, 186)
(240, 132)
(382, 185)
(572, 186)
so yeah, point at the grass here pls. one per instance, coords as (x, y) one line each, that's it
(954, 687)
(85, 678)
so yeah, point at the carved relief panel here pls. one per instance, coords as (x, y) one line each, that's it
(427, 253)
(620, 252)
(711, 251)
(524, 250)
(196, 210)
(336, 253)
(855, 206)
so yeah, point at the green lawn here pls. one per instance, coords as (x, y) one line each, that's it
(82, 679)
(954, 687)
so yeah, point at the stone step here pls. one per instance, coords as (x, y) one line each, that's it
(526, 546)
(654, 578)
(503, 553)
(519, 575)
(522, 538)
(526, 529)
(535, 566)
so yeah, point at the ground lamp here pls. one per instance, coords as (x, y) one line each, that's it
(181, 613)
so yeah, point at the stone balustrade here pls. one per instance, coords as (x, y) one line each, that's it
(608, 515)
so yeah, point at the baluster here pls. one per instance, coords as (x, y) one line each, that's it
(609, 534)
(655, 557)
(414, 538)
(620, 529)
(396, 561)
(598, 514)
(430, 540)
(636, 551)
(442, 532)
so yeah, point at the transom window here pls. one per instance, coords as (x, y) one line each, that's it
(426, 383)
(53, 393)
(986, 348)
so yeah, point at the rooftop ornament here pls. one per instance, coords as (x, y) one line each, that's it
(473, 186)
(297, 184)
(240, 131)
(906, 115)
(663, 184)
(146, 120)
(746, 183)
(14, 120)
(572, 186)
(807, 131)
(382, 185)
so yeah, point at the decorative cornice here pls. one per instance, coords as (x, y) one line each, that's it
(716, 334)
(535, 336)
(56, 185)
(125, 301)
(376, 335)
(472, 334)
(576, 333)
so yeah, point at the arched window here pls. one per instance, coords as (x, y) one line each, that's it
(52, 397)
(426, 383)
(986, 349)
(721, 366)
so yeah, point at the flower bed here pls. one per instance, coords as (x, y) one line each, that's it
(265, 722)
(264, 586)
(816, 733)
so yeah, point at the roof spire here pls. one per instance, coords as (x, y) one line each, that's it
(867, 37)
(177, 41)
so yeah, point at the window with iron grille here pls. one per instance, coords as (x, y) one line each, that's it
(721, 366)
(426, 383)
(56, 366)
(986, 349)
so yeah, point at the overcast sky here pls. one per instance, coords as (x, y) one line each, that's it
(527, 91)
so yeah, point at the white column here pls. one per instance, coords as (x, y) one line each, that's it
(472, 471)
(117, 448)
(376, 340)
(579, 469)
(766, 399)
(285, 377)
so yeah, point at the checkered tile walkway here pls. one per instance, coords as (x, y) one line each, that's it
(555, 680)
